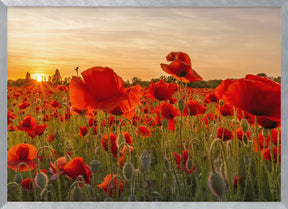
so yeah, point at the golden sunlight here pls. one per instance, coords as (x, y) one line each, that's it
(39, 77)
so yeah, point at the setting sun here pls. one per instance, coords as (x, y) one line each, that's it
(39, 78)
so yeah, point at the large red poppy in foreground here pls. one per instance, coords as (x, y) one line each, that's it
(25, 153)
(103, 89)
(256, 95)
(180, 67)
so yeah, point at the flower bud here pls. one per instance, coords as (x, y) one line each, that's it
(247, 160)
(245, 139)
(94, 165)
(216, 184)
(108, 199)
(132, 198)
(41, 180)
(128, 171)
(244, 125)
(146, 160)
(265, 132)
(166, 164)
(221, 102)
(77, 194)
(181, 105)
(18, 178)
(120, 139)
(189, 165)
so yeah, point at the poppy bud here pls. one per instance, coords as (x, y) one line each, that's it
(120, 139)
(265, 132)
(166, 164)
(247, 160)
(216, 184)
(221, 102)
(165, 123)
(146, 160)
(94, 165)
(137, 111)
(18, 178)
(132, 198)
(245, 139)
(189, 164)
(102, 128)
(41, 180)
(108, 199)
(128, 171)
(77, 194)
(244, 125)
(97, 150)
(181, 105)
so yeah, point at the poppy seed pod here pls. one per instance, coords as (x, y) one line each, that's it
(132, 198)
(108, 199)
(76, 194)
(244, 125)
(18, 178)
(216, 184)
(181, 105)
(94, 165)
(146, 160)
(128, 171)
(165, 123)
(41, 180)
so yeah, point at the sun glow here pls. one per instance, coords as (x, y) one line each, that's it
(39, 78)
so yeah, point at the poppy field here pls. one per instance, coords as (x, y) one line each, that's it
(97, 139)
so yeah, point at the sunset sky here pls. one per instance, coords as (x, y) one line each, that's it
(221, 42)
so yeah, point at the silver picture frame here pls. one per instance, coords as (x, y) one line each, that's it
(4, 6)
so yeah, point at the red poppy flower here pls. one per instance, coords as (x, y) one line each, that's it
(227, 110)
(169, 112)
(185, 158)
(143, 131)
(180, 67)
(237, 181)
(103, 89)
(240, 134)
(27, 124)
(257, 95)
(37, 131)
(113, 143)
(10, 116)
(104, 185)
(224, 134)
(161, 90)
(267, 123)
(195, 108)
(83, 130)
(267, 154)
(275, 134)
(27, 184)
(22, 153)
(50, 138)
(23, 106)
(211, 97)
(12, 128)
(54, 104)
(127, 136)
(76, 167)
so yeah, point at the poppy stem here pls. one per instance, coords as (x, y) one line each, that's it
(259, 159)
(18, 187)
(31, 179)
(109, 142)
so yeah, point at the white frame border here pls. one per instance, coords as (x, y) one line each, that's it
(283, 4)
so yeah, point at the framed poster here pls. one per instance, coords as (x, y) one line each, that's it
(113, 102)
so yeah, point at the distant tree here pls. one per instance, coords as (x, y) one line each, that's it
(28, 76)
(135, 80)
(262, 75)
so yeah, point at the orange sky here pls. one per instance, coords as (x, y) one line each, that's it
(222, 42)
